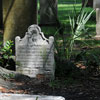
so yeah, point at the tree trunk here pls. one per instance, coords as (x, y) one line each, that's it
(1, 15)
(22, 14)
(89, 3)
(7, 5)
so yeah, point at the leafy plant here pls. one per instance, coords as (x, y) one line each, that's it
(78, 30)
(36, 98)
(5, 55)
(8, 76)
(7, 49)
(65, 45)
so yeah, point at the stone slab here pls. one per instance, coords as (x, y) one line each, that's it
(35, 54)
(97, 37)
(7, 96)
(96, 4)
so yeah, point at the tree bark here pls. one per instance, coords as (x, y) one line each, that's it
(7, 5)
(22, 14)
(1, 15)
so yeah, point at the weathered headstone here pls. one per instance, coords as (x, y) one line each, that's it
(48, 12)
(35, 53)
(97, 23)
(96, 4)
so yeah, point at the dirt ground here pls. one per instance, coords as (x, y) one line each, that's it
(86, 90)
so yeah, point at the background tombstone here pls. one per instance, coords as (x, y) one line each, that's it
(96, 4)
(35, 54)
(48, 12)
(97, 23)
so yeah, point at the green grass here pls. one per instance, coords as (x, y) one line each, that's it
(64, 10)
(64, 1)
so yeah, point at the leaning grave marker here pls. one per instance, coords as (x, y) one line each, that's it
(96, 6)
(35, 53)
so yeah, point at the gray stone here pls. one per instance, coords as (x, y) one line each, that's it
(96, 4)
(35, 54)
(97, 23)
(5, 96)
(48, 11)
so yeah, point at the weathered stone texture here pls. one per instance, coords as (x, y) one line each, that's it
(96, 4)
(35, 53)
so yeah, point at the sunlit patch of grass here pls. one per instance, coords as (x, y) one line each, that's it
(64, 10)
(70, 1)
(49, 31)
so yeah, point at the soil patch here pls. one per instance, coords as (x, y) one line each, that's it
(86, 90)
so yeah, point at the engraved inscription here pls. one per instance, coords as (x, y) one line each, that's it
(35, 53)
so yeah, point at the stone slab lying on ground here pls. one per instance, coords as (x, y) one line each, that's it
(7, 96)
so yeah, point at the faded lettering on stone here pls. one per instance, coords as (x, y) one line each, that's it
(35, 53)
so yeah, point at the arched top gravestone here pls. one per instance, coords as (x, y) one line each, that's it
(34, 36)
(35, 53)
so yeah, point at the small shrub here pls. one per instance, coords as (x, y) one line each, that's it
(5, 56)
(65, 60)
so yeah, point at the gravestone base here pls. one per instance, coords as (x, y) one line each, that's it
(6, 96)
(44, 77)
